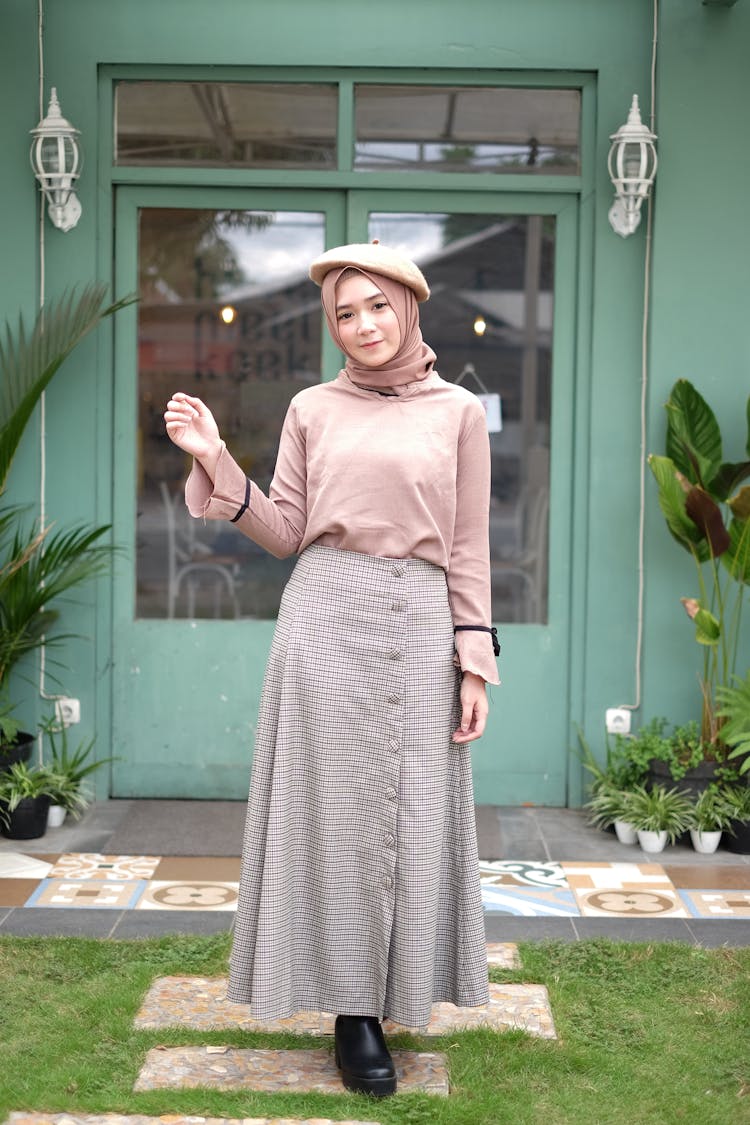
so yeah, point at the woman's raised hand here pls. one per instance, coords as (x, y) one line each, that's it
(192, 426)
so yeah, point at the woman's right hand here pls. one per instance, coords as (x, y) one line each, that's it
(192, 427)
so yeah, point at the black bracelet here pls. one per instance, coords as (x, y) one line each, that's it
(246, 502)
(482, 629)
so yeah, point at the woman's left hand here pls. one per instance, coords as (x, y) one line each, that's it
(474, 708)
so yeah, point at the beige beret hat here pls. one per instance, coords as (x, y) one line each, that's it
(376, 258)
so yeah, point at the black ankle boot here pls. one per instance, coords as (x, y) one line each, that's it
(363, 1057)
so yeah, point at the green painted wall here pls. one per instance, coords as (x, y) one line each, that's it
(701, 283)
(700, 266)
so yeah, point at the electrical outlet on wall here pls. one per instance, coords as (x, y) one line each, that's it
(617, 720)
(67, 712)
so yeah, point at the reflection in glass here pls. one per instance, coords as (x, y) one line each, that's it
(467, 129)
(250, 125)
(496, 271)
(227, 313)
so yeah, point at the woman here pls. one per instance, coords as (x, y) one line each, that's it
(359, 891)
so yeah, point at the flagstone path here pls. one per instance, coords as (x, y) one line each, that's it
(200, 1003)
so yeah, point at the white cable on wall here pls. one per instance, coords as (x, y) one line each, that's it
(644, 400)
(43, 397)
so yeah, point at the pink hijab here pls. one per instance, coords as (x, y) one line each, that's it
(414, 358)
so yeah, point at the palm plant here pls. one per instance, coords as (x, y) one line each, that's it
(707, 510)
(39, 564)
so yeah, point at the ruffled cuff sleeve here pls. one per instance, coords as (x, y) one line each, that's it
(222, 499)
(475, 653)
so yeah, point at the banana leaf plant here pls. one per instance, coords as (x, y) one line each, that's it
(40, 564)
(707, 510)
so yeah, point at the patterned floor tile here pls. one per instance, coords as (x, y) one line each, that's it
(33, 1118)
(699, 876)
(623, 890)
(91, 865)
(206, 869)
(15, 892)
(717, 904)
(519, 873)
(600, 876)
(189, 896)
(94, 894)
(15, 865)
(529, 902)
(302, 1071)
(503, 954)
(200, 1003)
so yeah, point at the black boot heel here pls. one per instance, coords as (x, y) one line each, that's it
(362, 1056)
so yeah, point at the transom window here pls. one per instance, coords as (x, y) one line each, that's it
(295, 125)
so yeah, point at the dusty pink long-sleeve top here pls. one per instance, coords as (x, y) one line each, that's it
(404, 475)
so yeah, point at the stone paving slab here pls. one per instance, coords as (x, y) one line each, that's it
(32, 1118)
(503, 954)
(200, 1003)
(512, 1007)
(295, 1071)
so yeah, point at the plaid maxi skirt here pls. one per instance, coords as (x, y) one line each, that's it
(360, 889)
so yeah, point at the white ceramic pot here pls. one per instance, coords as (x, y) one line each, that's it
(56, 816)
(705, 842)
(625, 832)
(652, 841)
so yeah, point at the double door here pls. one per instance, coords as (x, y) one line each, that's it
(228, 313)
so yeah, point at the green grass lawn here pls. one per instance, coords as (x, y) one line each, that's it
(647, 1033)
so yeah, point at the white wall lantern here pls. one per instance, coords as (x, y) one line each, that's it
(57, 159)
(632, 167)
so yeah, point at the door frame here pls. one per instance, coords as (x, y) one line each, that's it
(348, 214)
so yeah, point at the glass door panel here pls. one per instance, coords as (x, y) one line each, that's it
(490, 321)
(227, 313)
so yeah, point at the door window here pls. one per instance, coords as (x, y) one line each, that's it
(489, 319)
(227, 313)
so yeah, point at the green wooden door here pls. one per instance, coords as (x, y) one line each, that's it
(502, 317)
(226, 313)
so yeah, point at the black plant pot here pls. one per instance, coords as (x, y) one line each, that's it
(695, 781)
(738, 841)
(16, 751)
(28, 820)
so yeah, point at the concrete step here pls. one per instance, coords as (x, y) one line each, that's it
(200, 1003)
(265, 1071)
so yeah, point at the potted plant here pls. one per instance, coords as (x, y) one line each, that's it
(680, 757)
(707, 511)
(735, 711)
(15, 744)
(658, 815)
(710, 815)
(70, 770)
(611, 806)
(621, 770)
(738, 839)
(25, 795)
(39, 565)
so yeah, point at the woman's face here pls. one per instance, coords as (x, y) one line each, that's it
(367, 324)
